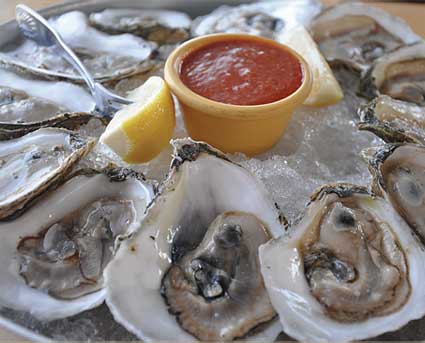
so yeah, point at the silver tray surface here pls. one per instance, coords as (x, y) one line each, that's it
(98, 324)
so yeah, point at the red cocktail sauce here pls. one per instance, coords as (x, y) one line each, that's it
(242, 72)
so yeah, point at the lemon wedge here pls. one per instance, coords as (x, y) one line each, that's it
(139, 131)
(326, 89)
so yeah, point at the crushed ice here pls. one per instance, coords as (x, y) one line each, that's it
(321, 145)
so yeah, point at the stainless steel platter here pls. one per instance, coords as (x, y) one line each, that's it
(98, 324)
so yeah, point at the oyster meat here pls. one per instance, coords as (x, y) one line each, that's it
(355, 34)
(349, 270)
(52, 258)
(198, 244)
(399, 74)
(106, 57)
(399, 176)
(35, 163)
(160, 26)
(264, 18)
(393, 120)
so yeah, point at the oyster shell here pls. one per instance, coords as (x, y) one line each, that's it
(393, 120)
(399, 74)
(106, 57)
(356, 34)
(398, 172)
(21, 113)
(34, 163)
(61, 94)
(160, 26)
(349, 270)
(52, 257)
(264, 18)
(200, 237)
(123, 86)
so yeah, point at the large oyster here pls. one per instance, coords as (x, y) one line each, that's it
(399, 74)
(160, 26)
(35, 163)
(27, 104)
(356, 34)
(106, 57)
(21, 113)
(193, 267)
(264, 18)
(349, 270)
(52, 258)
(398, 171)
(62, 94)
(393, 120)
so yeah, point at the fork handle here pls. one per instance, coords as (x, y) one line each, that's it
(73, 59)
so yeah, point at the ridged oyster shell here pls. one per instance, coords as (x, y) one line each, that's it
(52, 257)
(203, 188)
(160, 26)
(393, 120)
(349, 270)
(398, 176)
(355, 34)
(21, 113)
(399, 74)
(35, 163)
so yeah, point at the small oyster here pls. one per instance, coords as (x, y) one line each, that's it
(123, 86)
(34, 163)
(356, 34)
(52, 258)
(393, 120)
(399, 74)
(198, 244)
(349, 270)
(264, 18)
(398, 172)
(160, 26)
(106, 57)
(21, 113)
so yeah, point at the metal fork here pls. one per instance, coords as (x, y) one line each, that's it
(36, 28)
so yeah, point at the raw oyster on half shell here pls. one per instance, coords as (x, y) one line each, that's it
(399, 176)
(264, 18)
(193, 266)
(355, 34)
(52, 257)
(107, 57)
(21, 113)
(160, 26)
(349, 270)
(393, 120)
(37, 162)
(399, 74)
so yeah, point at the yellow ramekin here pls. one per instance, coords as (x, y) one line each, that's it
(233, 128)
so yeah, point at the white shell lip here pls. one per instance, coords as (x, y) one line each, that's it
(302, 316)
(134, 277)
(16, 294)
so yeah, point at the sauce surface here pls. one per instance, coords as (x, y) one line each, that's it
(242, 72)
